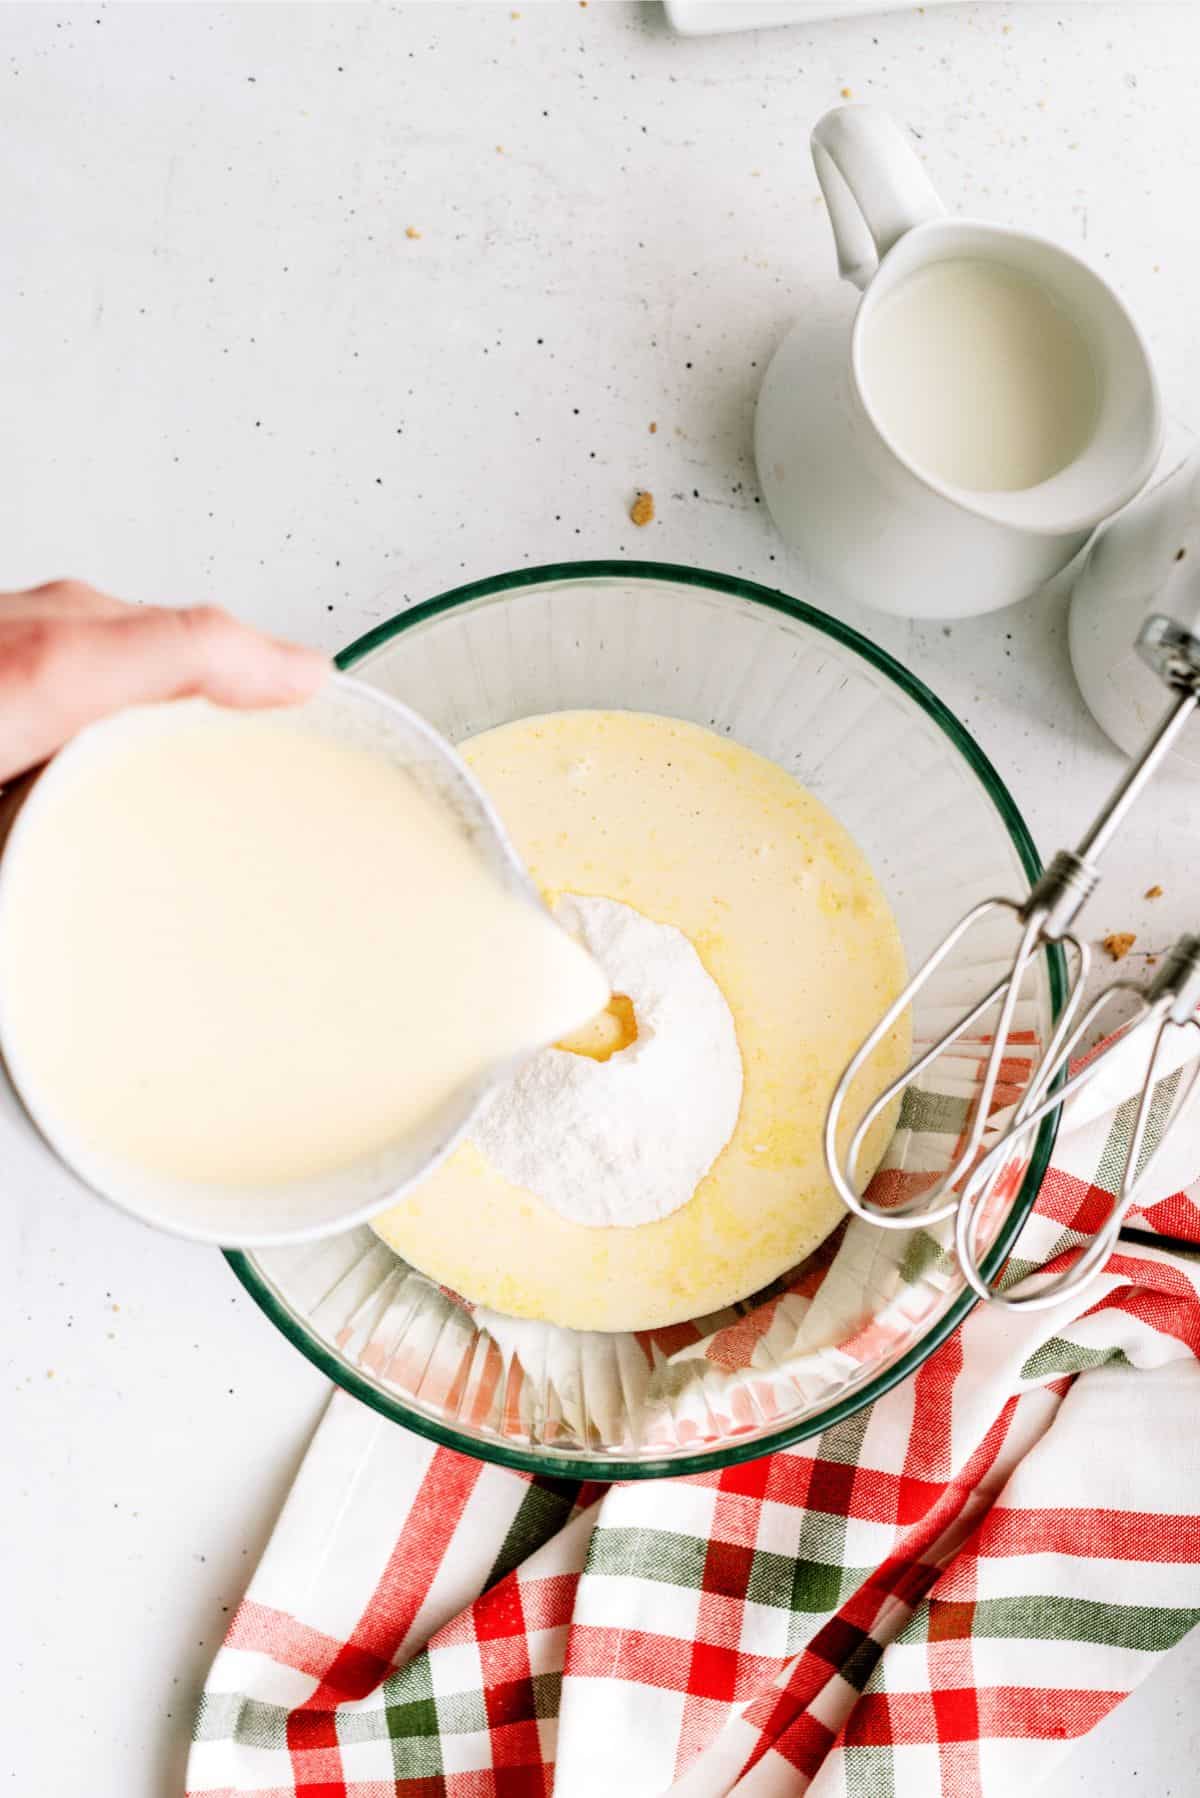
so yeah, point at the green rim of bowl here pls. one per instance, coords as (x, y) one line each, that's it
(582, 1467)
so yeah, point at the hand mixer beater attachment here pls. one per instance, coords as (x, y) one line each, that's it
(1046, 917)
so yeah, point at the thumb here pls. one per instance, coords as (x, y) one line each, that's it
(162, 653)
(59, 674)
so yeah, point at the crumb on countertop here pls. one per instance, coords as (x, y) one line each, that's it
(653, 427)
(642, 509)
(1118, 943)
(1154, 892)
(411, 231)
(847, 93)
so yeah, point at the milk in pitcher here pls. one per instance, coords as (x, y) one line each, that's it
(979, 377)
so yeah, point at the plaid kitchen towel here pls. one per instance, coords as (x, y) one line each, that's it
(934, 1597)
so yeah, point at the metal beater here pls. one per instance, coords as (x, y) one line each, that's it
(1166, 1004)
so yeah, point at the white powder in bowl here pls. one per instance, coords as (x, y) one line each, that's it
(627, 1140)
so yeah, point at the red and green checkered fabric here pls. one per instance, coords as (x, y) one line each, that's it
(935, 1597)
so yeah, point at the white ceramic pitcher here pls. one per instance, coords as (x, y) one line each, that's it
(864, 519)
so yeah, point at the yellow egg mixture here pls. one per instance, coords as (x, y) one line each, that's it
(694, 831)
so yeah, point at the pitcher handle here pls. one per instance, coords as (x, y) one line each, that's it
(874, 186)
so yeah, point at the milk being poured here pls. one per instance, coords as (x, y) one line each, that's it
(237, 950)
(979, 377)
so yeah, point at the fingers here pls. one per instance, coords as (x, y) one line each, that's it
(60, 599)
(164, 654)
(77, 657)
(200, 649)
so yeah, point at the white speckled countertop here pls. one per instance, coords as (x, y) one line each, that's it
(229, 373)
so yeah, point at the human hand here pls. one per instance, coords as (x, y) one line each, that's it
(70, 655)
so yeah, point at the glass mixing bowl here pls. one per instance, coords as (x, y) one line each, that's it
(941, 832)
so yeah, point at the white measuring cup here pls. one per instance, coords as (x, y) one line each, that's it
(346, 711)
(846, 494)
